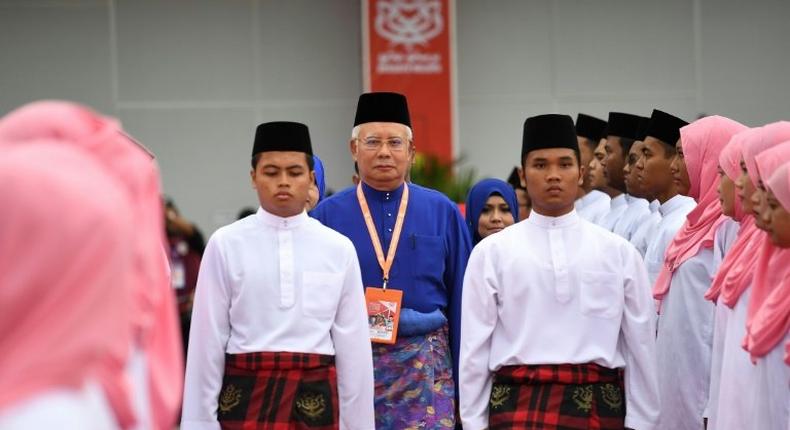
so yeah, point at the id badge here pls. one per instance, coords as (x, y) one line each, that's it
(383, 313)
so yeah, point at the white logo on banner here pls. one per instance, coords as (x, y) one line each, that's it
(409, 24)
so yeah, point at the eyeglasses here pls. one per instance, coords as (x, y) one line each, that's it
(395, 144)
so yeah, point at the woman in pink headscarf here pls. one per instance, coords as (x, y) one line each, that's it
(685, 329)
(156, 364)
(64, 288)
(732, 277)
(767, 318)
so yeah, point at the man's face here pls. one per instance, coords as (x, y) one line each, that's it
(652, 170)
(586, 155)
(680, 175)
(282, 180)
(632, 184)
(596, 174)
(524, 204)
(383, 153)
(613, 162)
(552, 177)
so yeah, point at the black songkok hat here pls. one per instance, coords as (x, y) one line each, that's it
(665, 127)
(548, 131)
(623, 125)
(641, 132)
(590, 127)
(282, 136)
(382, 107)
(514, 180)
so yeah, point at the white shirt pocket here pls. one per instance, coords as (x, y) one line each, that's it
(601, 294)
(321, 294)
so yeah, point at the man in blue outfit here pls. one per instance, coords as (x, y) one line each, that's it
(415, 376)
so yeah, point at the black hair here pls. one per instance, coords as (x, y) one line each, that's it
(575, 153)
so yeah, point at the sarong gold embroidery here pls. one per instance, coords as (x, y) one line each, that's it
(583, 396)
(499, 395)
(230, 398)
(311, 405)
(612, 396)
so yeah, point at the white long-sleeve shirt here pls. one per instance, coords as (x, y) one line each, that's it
(636, 213)
(685, 336)
(644, 233)
(557, 290)
(617, 208)
(276, 284)
(593, 206)
(673, 215)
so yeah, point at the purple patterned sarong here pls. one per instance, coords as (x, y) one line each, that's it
(414, 383)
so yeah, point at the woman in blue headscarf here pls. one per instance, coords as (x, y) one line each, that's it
(490, 207)
(318, 188)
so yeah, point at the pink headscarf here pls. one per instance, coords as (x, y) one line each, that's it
(154, 320)
(735, 272)
(770, 135)
(768, 316)
(64, 265)
(703, 140)
(779, 184)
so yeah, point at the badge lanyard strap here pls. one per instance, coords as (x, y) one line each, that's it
(386, 264)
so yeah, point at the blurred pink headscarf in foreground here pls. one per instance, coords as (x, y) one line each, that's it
(64, 264)
(153, 322)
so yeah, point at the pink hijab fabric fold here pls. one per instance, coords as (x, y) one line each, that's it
(154, 321)
(768, 317)
(770, 135)
(703, 140)
(66, 226)
(735, 271)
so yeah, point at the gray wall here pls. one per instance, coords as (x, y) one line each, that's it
(191, 79)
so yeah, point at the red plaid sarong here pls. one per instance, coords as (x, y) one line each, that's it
(278, 391)
(557, 397)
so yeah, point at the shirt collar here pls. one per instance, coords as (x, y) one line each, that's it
(278, 222)
(549, 222)
(372, 194)
(619, 201)
(674, 203)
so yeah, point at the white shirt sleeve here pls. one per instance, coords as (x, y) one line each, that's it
(208, 337)
(353, 352)
(639, 347)
(478, 320)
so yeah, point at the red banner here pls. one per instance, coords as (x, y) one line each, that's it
(408, 47)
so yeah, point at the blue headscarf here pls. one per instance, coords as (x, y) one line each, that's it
(477, 198)
(319, 177)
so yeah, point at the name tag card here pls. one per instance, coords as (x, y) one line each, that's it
(383, 313)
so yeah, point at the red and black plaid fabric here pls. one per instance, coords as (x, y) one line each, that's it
(278, 391)
(557, 397)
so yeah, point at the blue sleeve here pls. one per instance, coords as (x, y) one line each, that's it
(459, 246)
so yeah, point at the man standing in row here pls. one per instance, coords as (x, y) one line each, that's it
(412, 242)
(592, 204)
(279, 336)
(653, 171)
(621, 134)
(554, 308)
